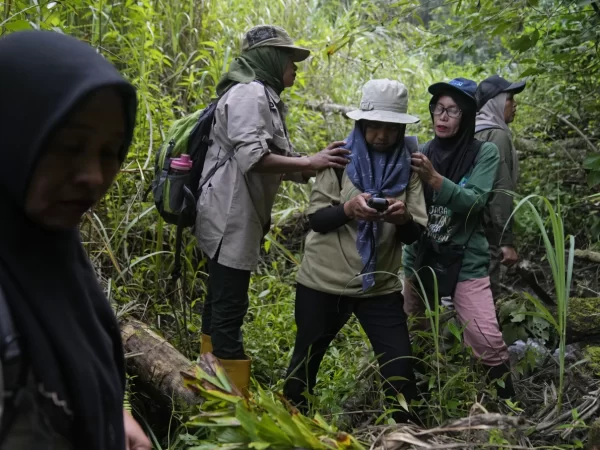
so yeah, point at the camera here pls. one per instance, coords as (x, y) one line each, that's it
(379, 204)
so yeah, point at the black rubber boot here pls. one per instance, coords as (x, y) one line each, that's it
(502, 371)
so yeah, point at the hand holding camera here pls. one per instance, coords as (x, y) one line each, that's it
(358, 208)
(396, 213)
(374, 209)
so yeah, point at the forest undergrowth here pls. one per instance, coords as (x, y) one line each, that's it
(174, 51)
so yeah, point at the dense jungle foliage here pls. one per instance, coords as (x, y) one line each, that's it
(174, 51)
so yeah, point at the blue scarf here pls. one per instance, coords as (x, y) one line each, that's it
(381, 175)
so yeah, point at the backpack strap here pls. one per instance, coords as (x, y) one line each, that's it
(12, 368)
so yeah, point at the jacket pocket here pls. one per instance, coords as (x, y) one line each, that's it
(281, 144)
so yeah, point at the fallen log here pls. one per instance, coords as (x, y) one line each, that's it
(157, 365)
(528, 277)
(329, 107)
(588, 255)
(583, 319)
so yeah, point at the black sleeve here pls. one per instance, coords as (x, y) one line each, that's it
(409, 232)
(328, 219)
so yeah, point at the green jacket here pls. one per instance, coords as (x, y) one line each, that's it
(500, 205)
(449, 211)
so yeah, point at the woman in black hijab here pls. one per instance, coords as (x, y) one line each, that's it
(66, 123)
(458, 173)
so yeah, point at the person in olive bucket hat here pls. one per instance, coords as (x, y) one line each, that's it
(234, 210)
(497, 107)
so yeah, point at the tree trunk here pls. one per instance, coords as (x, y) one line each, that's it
(156, 365)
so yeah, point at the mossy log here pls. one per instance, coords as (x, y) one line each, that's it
(583, 319)
(593, 442)
(157, 365)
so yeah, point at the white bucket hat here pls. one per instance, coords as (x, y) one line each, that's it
(384, 101)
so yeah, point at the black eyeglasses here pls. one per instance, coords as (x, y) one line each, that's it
(438, 110)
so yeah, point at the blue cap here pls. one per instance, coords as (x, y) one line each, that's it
(463, 86)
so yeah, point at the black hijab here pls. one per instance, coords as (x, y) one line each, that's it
(69, 333)
(453, 157)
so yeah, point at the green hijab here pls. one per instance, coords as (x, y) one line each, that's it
(266, 64)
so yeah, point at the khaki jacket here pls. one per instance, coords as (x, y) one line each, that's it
(331, 261)
(500, 205)
(234, 208)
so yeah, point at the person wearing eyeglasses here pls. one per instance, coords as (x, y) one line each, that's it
(458, 174)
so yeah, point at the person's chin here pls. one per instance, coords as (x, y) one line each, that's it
(60, 222)
(382, 148)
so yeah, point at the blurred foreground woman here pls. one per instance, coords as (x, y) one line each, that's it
(66, 123)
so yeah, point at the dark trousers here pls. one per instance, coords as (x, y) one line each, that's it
(225, 307)
(320, 316)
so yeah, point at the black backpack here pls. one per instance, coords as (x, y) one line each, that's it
(176, 194)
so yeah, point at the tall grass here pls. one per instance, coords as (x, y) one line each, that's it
(560, 258)
(174, 51)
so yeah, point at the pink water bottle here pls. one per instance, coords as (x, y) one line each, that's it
(181, 165)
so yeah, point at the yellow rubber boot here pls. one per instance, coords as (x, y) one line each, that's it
(239, 373)
(205, 344)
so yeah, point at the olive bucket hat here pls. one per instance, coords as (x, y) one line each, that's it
(273, 36)
(384, 101)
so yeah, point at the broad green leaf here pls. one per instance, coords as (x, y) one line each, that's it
(307, 437)
(280, 415)
(234, 436)
(18, 25)
(248, 421)
(259, 445)
(531, 71)
(592, 162)
(402, 401)
(512, 333)
(455, 331)
(594, 178)
(500, 29)
(269, 430)
(526, 41)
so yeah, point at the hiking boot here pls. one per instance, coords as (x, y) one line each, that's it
(502, 372)
(205, 344)
(238, 372)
